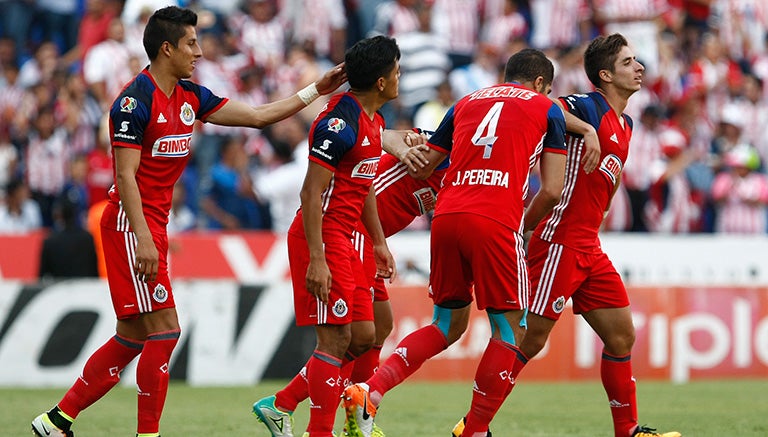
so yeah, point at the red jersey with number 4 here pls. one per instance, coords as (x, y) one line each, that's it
(494, 137)
(347, 142)
(576, 220)
(143, 117)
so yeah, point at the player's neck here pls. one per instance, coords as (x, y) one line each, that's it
(164, 79)
(371, 101)
(614, 98)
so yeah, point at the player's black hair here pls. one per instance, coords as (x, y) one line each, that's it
(369, 59)
(167, 24)
(527, 65)
(601, 54)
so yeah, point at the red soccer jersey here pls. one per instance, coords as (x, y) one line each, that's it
(494, 137)
(143, 117)
(575, 221)
(347, 142)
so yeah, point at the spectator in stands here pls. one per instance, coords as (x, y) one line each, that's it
(68, 251)
(740, 193)
(79, 113)
(17, 19)
(229, 201)
(279, 184)
(59, 22)
(40, 68)
(9, 160)
(430, 114)
(424, 64)
(458, 23)
(107, 65)
(99, 163)
(263, 35)
(645, 151)
(323, 34)
(558, 24)
(93, 27)
(482, 72)
(19, 214)
(182, 218)
(395, 17)
(506, 32)
(47, 160)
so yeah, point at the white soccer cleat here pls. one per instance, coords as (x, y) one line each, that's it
(43, 427)
(279, 423)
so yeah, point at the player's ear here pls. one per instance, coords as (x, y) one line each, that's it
(539, 85)
(380, 83)
(605, 75)
(165, 48)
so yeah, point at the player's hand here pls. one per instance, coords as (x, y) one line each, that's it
(332, 79)
(147, 260)
(318, 279)
(591, 157)
(414, 157)
(385, 262)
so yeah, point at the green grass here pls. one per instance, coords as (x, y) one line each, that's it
(698, 409)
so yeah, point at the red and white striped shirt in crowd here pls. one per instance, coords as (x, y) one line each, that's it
(556, 23)
(741, 25)
(392, 19)
(314, 21)
(629, 10)
(741, 203)
(263, 42)
(11, 99)
(221, 75)
(47, 162)
(501, 30)
(458, 22)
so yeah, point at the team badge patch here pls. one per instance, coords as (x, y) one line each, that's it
(127, 104)
(340, 308)
(336, 125)
(187, 114)
(160, 294)
(558, 305)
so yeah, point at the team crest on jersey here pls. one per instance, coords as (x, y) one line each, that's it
(127, 104)
(336, 125)
(172, 146)
(187, 114)
(160, 294)
(340, 308)
(558, 305)
(426, 198)
(366, 168)
(611, 167)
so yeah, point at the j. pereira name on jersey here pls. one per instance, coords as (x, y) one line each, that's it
(482, 176)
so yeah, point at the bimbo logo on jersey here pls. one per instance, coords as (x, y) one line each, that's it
(172, 146)
(366, 168)
(611, 166)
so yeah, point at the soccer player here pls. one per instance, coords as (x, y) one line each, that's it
(151, 125)
(564, 254)
(495, 136)
(330, 289)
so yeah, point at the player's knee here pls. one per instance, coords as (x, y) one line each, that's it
(451, 321)
(501, 327)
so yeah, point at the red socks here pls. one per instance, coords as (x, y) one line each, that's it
(494, 380)
(616, 374)
(152, 374)
(324, 377)
(408, 356)
(294, 393)
(366, 364)
(100, 374)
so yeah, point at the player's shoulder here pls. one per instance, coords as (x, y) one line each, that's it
(136, 96)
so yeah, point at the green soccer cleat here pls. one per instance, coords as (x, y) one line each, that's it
(644, 431)
(360, 411)
(43, 427)
(279, 423)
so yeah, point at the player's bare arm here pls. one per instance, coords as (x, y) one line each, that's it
(318, 278)
(408, 146)
(236, 113)
(552, 167)
(574, 124)
(385, 263)
(434, 158)
(147, 257)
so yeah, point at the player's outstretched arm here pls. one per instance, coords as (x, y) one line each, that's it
(406, 145)
(236, 113)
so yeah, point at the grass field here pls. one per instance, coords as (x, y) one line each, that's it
(699, 409)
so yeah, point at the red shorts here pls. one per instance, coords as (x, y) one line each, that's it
(131, 296)
(350, 298)
(364, 247)
(559, 273)
(467, 250)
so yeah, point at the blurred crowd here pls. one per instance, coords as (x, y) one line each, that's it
(698, 153)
